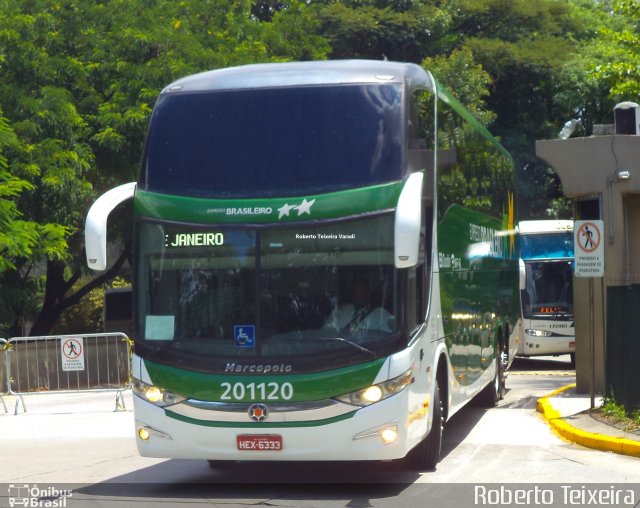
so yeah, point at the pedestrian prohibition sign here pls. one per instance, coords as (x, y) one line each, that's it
(72, 354)
(588, 248)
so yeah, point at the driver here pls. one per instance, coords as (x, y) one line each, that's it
(360, 314)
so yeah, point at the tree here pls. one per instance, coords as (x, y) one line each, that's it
(20, 239)
(501, 58)
(78, 83)
(17, 238)
(619, 65)
(399, 30)
(534, 53)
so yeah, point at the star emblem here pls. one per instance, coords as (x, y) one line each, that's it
(305, 207)
(284, 210)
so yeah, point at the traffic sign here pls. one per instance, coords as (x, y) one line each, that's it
(588, 248)
(72, 354)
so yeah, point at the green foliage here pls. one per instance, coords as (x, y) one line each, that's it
(619, 416)
(78, 81)
(622, 72)
(465, 78)
(292, 34)
(612, 409)
(20, 238)
(379, 29)
(522, 67)
(535, 55)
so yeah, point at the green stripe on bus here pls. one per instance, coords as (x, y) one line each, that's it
(259, 425)
(304, 387)
(268, 210)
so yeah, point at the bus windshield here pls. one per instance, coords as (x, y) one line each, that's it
(549, 290)
(250, 294)
(546, 245)
(274, 141)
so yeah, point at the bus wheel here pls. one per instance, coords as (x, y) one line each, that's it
(221, 464)
(426, 455)
(495, 391)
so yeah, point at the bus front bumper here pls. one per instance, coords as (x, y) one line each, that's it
(375, 432)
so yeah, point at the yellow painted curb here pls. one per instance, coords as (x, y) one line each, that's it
(620, 445)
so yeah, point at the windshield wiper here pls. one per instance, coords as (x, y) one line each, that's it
(351, 343)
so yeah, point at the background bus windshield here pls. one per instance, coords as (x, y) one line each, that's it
(548, 261)
(274, 141)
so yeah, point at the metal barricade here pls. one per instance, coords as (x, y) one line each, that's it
(68, 363)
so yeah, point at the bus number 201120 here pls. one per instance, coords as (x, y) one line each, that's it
(256, 391)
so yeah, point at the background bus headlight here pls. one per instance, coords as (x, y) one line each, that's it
(378, 392)
(154, 394)
(538, 333)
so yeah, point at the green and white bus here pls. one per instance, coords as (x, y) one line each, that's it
(266, 194)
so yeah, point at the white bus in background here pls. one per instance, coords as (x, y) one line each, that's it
(546, 288)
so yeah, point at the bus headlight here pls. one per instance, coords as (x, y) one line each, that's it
(538, 333)
(156, 395)
(378, 392)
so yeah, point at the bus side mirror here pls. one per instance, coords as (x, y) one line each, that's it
(408, 222)
(95, 228)
(523, 276)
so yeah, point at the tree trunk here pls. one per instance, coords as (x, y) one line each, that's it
(56, 288)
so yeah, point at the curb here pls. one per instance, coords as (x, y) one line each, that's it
(602, 442)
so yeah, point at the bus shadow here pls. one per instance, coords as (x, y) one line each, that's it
(353, 482)
(541, 364)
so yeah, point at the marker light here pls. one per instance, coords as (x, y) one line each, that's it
(145, 432)
(389, 435)
(378, 392)
(154, 394)
(387, 432)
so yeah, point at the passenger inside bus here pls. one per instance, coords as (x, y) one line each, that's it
(361, 313)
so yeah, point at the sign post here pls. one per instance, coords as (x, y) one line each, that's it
(588, 249)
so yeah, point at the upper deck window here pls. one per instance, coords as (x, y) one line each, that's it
(274, 141)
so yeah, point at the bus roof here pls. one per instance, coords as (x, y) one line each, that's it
(328, 72)
(545, 226)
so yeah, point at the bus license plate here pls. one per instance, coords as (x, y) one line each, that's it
(259, 443)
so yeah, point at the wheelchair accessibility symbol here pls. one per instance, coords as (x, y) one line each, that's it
(244, 335)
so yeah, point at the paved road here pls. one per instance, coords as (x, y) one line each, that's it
(70, 442)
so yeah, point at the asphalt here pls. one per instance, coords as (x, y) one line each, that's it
(569, 415)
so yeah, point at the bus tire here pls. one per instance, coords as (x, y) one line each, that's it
(426, 455)
(495, 391)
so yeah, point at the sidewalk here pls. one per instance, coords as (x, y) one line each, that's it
(568, 414)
